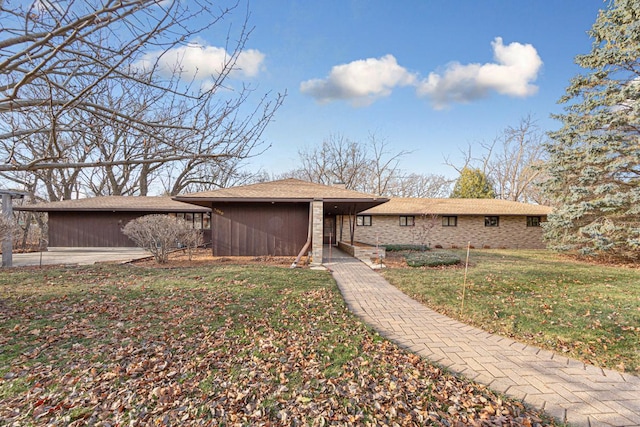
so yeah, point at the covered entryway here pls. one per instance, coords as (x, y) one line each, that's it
(285, 217)
(329, 230)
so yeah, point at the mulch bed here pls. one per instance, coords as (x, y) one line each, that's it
(203, 257)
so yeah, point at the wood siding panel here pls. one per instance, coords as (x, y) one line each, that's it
(259, 229)
(94, 229)
(89, 229)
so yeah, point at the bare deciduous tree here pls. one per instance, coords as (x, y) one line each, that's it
(514, 165)
(425, 224)
(86, 98)
(420, 185)
(338, 159)
(371, 168)
(511, 162)
(384, 166)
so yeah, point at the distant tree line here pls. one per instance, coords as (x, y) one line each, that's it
(370, 167)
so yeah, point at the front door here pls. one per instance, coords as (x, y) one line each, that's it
(329, 230)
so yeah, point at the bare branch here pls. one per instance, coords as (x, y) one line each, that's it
(510, 161)
(86, 106)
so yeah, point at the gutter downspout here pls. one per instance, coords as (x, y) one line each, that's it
(309, 234)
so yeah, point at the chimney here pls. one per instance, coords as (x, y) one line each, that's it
(339, 184)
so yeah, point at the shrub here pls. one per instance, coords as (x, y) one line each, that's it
(401, 248)
(432, 259)
(159, 234)
(190, 239)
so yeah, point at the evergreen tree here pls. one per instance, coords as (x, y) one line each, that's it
(473, 184)
(594, 159)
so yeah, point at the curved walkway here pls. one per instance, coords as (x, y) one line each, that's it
(579, 394)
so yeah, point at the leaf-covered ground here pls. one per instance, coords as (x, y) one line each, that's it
(217, 345)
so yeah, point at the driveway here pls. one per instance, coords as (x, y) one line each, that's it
(78, 256)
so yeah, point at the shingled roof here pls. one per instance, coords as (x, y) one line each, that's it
(282, 190)
(115, 203)
(337, 200)
(416, 206)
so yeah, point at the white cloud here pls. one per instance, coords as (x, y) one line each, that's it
(360, 82)
(512, 73)
(516, 67)
(199, 62)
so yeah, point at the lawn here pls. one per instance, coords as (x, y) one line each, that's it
(586, 311)
(213, 345)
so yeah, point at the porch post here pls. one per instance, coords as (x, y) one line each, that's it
(317, 238)
(7, 242)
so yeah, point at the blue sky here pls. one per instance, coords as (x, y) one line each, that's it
(426, 76)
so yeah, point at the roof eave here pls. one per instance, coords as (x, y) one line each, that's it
(196, 200)
(113, 209)
(460, 213)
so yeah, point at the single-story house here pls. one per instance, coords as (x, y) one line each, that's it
(281, 218)
(292, 217)
(98, 221)
(453, 223)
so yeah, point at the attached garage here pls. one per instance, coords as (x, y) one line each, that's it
(98, 221)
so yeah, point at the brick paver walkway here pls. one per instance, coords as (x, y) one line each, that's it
(581, 395)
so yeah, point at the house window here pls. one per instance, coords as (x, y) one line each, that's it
(363, 220)
(533, 221)
(197, 220)
(449, 221)
(491, 221)
(407, 221)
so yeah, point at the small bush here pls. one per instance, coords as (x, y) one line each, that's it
(159, 234)
(401, 248)
(432, 259)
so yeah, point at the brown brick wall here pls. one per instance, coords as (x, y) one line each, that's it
(512, 232)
